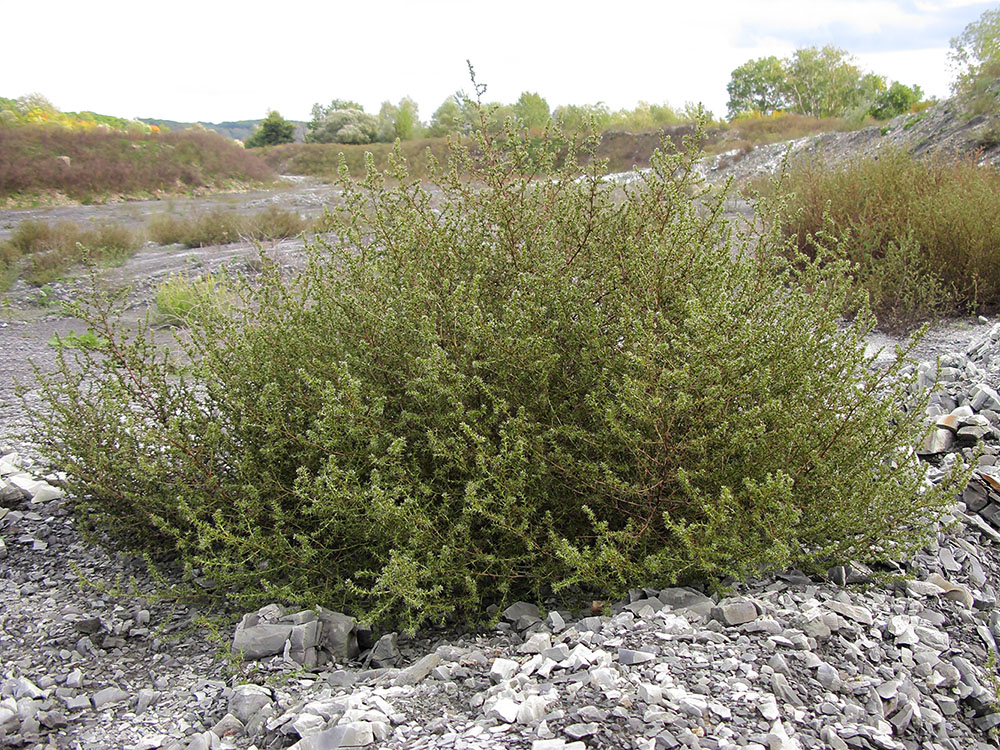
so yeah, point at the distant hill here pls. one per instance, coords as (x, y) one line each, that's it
(238, 130)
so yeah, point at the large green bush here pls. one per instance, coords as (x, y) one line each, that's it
(496, 388)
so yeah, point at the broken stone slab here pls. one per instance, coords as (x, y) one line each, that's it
(340, 635)
(351, 734)
(416, 672)
(259, 641)
(735, 611)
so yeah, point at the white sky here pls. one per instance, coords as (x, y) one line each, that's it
(214, 61)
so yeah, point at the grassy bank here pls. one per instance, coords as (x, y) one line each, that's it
(95, 165)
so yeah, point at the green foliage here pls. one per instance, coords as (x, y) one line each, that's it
(181, 297)
(497, 385)
(923, 236)
(975, 55)
(273, 129)
(757, 86)
(816, 82)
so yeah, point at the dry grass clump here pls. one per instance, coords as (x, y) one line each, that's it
(41, 252)
(923, 235)
(221, 226)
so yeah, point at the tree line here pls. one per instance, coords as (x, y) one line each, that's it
(813, 81)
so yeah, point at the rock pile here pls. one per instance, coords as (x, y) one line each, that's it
(889, 660)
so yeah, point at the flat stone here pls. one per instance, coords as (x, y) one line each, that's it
(108, 696)
(260, 641)
(503, 669)
(850, 611)
(735, 611)
(416, 672)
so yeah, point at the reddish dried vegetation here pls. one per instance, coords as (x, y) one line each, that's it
(89, 165)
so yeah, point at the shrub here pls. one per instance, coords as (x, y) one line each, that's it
(220, 226)
(515, 386)
(273, 129)
(45, 251)
(181, 297)
(923, 235)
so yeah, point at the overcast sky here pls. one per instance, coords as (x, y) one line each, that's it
(215, 61)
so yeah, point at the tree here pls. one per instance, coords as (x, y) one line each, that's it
(532, 110)
(345, 126)
(895, 100)
(273, 129)
(757, 86)
(975, 53)
(398, 120)
(822, 82)
(447, 119)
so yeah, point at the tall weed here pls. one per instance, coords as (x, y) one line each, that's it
(923, 235)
